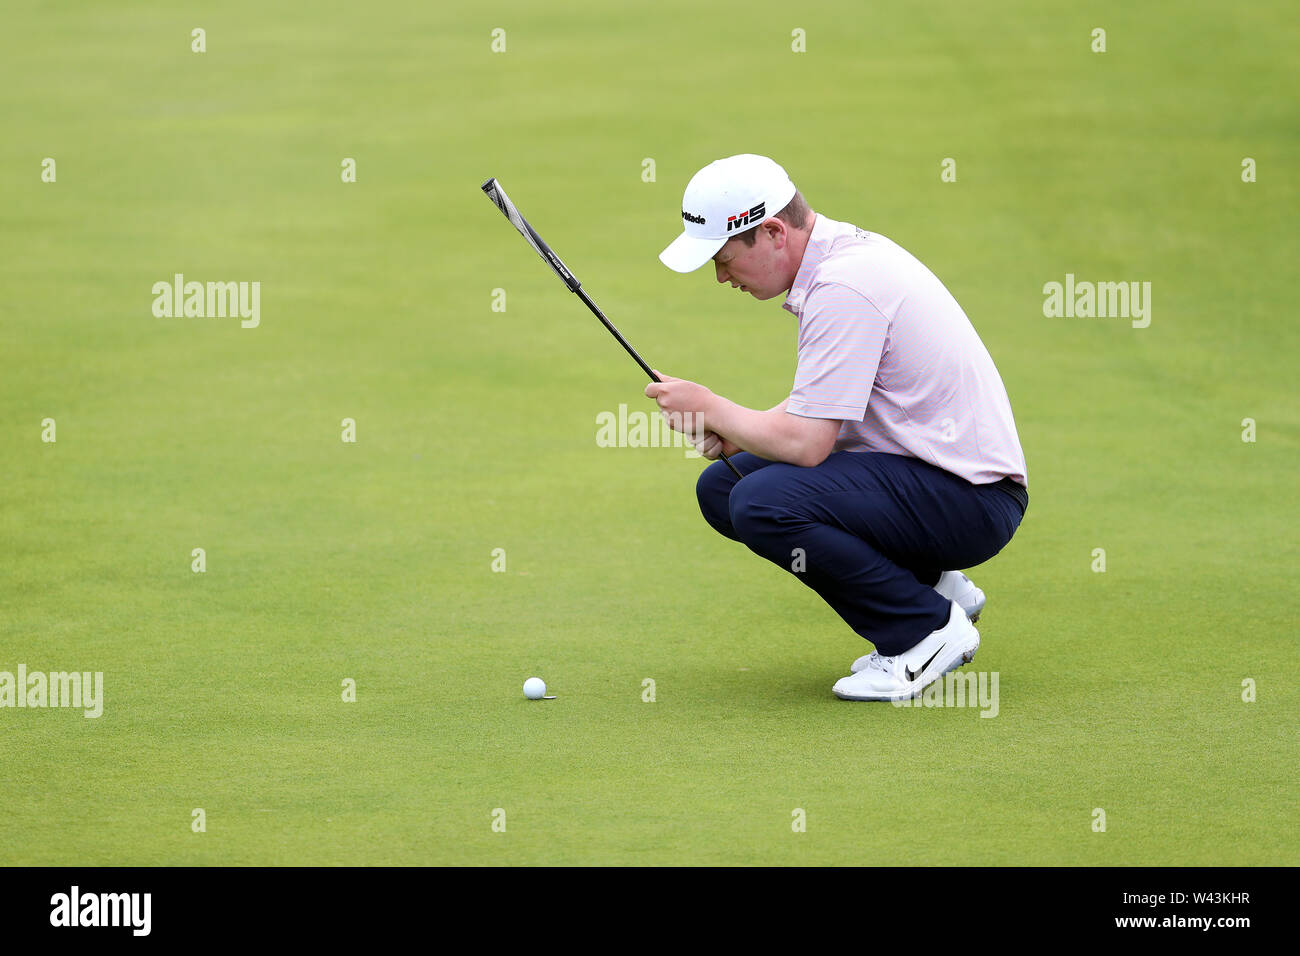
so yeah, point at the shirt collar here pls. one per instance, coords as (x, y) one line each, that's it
(819, 241)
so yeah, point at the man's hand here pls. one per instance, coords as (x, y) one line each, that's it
(712, 445)
(776, 434)
(682, 403)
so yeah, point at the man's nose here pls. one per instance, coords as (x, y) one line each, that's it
(722, 274)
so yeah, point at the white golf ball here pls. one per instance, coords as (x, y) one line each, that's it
(534, 688)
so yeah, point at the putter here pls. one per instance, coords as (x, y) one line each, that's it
(498, 196)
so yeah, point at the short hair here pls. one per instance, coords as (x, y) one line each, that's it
(795, 213)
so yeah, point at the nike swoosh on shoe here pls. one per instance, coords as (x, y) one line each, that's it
(913, 675)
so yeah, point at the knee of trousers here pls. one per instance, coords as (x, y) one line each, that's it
(713, 490)
(754, 514)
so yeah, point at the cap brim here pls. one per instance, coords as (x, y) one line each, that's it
(686, 253)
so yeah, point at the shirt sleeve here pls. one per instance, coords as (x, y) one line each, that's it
(841, 338)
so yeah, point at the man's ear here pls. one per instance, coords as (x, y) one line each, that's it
(776, 232)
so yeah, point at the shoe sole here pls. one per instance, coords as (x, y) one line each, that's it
(954, 662)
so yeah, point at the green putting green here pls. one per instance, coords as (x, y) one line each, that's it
(476, 418)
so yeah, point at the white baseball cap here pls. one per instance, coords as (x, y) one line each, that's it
(722, 200)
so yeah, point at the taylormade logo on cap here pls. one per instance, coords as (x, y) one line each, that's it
(724, 199)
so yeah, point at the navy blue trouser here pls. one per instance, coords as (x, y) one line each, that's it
(875, 532)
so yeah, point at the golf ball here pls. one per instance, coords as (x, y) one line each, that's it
(534, 688)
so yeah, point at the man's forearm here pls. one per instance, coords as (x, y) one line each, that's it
(731, 448)
(774, 434)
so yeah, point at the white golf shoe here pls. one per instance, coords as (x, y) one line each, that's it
(909, 673)
(955, 586)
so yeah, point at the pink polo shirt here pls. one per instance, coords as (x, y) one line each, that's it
(886, 349)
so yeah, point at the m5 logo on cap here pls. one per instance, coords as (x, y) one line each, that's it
(754, 214)
(698, 220)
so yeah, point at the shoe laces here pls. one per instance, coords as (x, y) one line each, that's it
(878, 662)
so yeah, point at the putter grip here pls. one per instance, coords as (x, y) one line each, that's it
(493, 190)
